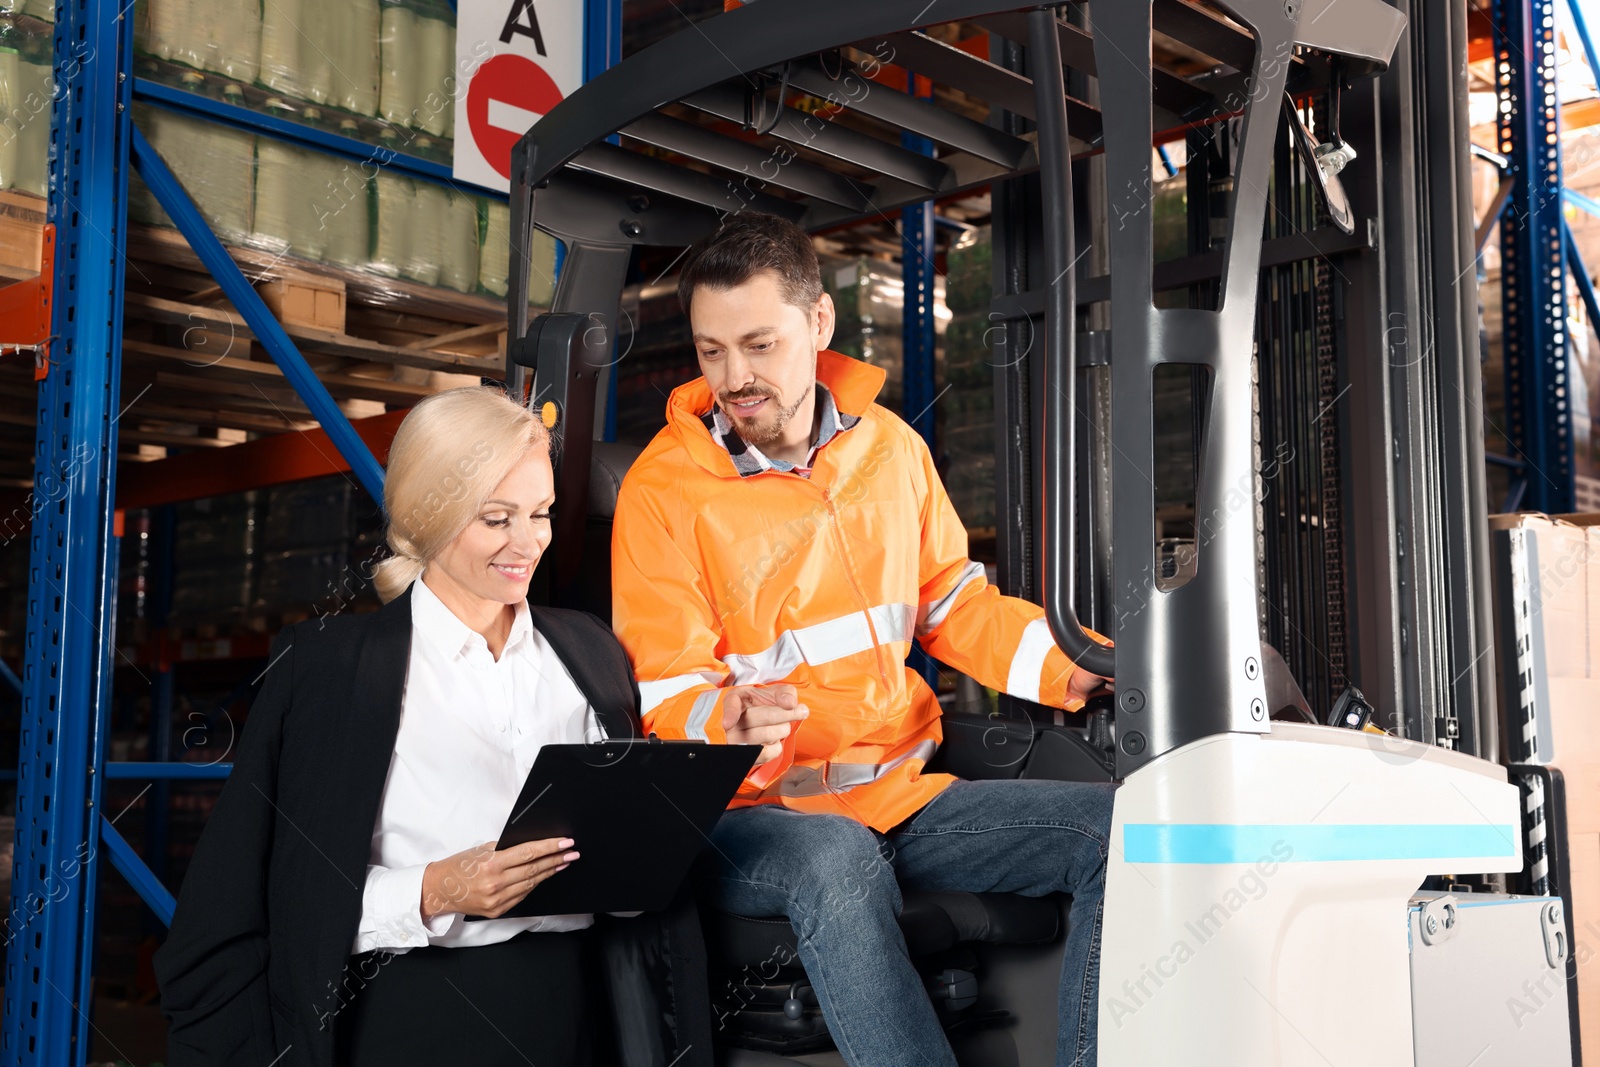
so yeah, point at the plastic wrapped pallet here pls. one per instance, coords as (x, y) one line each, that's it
(495, 257)
(280, 46)
(172, 30)
(12, 94)
(400, 61)
(296, 36)
(356, 28)
(309, 204)
(433, 98)
(282, 216)
(323, 52)
(215, 164)
(869, 301)
(25, 95)
(302, 580)
(207, 593)
(348, 204)
(215, 548)
(969, 283)
(427, 232)
(305, 539)
(217, 529)
(228, 34)
(39, 9)
(395, 206)
(966, 407)
(458, 244)
(308, 514)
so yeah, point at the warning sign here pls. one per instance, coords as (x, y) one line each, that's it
(517, 59)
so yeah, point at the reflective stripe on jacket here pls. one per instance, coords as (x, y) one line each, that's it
(823, 582)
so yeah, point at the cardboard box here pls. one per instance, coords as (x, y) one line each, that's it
(22, 219)
(306, 301)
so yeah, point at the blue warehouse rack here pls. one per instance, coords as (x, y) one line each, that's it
(71, 614)
(1533, 253)
(69, 617)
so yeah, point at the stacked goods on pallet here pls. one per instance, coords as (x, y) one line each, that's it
(868, 302)
(495, 257)
(215, 164)
(325, 53)
(426, 233)
(222, 36)
(418, 45)
(25, 95)
(214, 552)
(268, 194)
(305, 547)
(456, 216)
(43, 10)
(966, 405)
(393, 59)
(1547, 639)
(310, 204)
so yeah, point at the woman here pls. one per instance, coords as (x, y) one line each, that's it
(323, 918)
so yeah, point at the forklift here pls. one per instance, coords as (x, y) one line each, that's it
(1286, 886)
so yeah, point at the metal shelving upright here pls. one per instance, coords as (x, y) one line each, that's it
(71, 551)
(71, 616)
(1534, 255)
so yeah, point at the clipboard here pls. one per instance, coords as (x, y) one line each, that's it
(639, 812)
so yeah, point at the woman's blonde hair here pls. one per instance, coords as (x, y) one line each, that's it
(448, 456)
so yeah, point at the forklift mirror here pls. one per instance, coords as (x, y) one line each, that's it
(1323, 163)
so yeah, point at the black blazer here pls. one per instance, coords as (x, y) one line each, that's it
(254, 967)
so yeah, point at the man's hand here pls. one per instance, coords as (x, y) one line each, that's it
(762, 715)
(1085, 684)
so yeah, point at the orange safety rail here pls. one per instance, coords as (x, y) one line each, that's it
(275, 460)
(25, 306)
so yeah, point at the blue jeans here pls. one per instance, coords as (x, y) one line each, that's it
(839, 884)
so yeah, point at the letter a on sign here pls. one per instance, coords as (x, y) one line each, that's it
(524, 20)
(515, 60)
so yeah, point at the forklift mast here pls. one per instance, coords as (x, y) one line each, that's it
(641, 156)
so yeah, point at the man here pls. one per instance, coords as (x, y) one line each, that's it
(775, 551)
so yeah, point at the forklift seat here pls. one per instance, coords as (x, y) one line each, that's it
(590, 588)
(932, 922)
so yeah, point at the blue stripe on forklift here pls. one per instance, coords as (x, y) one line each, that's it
(1306, 843)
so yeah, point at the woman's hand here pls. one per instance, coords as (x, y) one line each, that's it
(762, 715)
(481, 881)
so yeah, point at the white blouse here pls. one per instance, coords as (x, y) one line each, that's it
(470, 728)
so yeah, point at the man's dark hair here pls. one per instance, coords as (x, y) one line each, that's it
(747, 244)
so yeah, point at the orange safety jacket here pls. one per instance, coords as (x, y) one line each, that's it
(820, 582)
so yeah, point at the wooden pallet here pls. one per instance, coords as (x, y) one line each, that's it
(195, 378)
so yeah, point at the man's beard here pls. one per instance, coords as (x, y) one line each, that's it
(765, 429)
